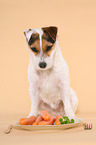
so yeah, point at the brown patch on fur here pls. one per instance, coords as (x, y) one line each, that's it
(36, 44)
(33, 38)
(51, 33)
(45, 44)
(48, 39)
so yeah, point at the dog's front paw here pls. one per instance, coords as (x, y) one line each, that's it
(77, 120)
(32, 114)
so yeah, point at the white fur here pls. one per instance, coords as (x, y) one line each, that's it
(51, 84)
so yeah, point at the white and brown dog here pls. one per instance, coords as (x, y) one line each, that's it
(48, 74)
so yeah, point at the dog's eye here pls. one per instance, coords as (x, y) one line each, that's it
(34, 49)
(49, 48)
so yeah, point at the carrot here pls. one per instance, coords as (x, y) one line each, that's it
(58, 117)
(42, 123)
(45, 115)
(35, 123)
(39, 119)
(57, 122)
(27, 121)
(22, 121)
(49, 122)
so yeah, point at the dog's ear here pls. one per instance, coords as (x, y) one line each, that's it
(51, 31)
(27, 34)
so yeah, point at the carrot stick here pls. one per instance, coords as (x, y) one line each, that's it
(27, 121)
(57, 122)
(35, 123)
(49, 122)
(45, 115)
(22, 121)
(39, 119)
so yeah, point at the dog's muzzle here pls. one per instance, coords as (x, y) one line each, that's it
(42, 64)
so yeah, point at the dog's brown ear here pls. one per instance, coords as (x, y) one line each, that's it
(51, 32)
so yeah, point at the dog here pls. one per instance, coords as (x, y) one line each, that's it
(48, 74)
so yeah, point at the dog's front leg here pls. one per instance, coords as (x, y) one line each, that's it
(33, 91)
(66, 101)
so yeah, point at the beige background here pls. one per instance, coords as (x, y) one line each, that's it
(76, 21)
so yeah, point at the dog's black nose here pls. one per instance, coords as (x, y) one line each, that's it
(42, 64)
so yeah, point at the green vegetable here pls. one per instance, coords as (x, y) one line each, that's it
(65, 117)
(65, 120)
(72, 120)
(62, 122)
(60, 119)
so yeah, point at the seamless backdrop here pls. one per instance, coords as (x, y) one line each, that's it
(76, 22)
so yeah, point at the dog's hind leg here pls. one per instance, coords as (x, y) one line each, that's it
(74, 100)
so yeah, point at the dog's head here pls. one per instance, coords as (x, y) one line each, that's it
(41, 43)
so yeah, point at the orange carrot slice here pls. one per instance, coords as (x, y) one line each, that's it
(27, 121)
(45, 115)
(49, 122)
(22, 121)
(39, 119)
(57, 122)
(35, 123)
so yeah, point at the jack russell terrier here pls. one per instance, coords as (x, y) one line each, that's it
(48, 74)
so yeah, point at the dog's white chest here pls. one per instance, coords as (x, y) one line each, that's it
(48, 88)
